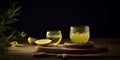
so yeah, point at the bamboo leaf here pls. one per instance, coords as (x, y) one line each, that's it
(17, 9)
(10, 13)
(13, 4)
(2, 28)
(2, 19)
(11, 35)
(8, 27)
(15, 12)
(11, 21)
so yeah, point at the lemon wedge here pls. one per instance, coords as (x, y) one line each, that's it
(31, 40)
(43, 41)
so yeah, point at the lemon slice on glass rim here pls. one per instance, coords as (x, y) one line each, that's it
(43, 41)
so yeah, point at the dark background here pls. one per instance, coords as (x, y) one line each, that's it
(38, 16)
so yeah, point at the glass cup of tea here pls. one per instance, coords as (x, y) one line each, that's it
(55, 36)
(79, 34)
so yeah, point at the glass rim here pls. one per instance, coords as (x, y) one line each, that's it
(79, 26)
(53, 30)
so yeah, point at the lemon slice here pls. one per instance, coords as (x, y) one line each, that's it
(31, 40)
(43, 41)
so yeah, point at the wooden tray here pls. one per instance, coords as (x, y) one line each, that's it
(61, 50)
(66, 55)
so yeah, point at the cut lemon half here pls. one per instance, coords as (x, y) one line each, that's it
(43, 41)
(31, 40)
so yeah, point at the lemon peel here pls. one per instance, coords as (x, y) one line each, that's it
(16, 44)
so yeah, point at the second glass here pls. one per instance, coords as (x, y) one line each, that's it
(55, 36)
(79, 34)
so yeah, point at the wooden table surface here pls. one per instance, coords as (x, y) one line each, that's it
(112, 53)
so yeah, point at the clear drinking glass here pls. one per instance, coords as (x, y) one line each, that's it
(79, 34)
(55, 36)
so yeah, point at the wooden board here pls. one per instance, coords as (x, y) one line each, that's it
(65, 55)
(63, 51)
